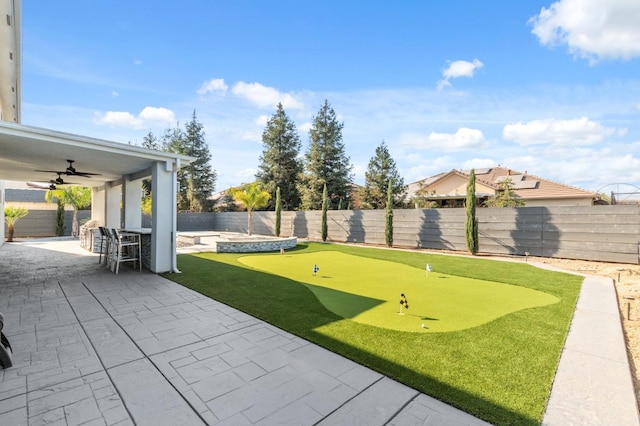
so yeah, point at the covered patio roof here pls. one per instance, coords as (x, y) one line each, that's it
(26, 149)
(113, 170)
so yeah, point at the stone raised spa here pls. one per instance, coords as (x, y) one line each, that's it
(226, 242)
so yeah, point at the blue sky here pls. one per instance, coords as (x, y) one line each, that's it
(552, 88)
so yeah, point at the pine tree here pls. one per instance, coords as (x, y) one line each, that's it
(279, 163)
(278, 212)
(382, 170)
(148, 142)
(325, 163)
(325, 205)
(191, 142)
(388, 224)
(471, 226)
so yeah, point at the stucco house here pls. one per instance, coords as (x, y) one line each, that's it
(449, 189)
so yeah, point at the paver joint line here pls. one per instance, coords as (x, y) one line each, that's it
(405, 405)
(347, 401)
(94, 349)
(145, 357)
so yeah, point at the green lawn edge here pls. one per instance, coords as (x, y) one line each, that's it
(501, 372)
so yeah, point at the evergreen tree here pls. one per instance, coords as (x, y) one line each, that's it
(505, 196)
(471, 226)
(279, 163)
(325, 205)
(382, 170)
(191, 142)
(278, 212)
(60, 228)
(151, 142)
(388, 224)
(325, 163)
(148, 142)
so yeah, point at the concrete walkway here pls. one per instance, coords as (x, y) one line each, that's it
(95, 348)
(593, 384)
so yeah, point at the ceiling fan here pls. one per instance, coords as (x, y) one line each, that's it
(52, 183)
(71, 171)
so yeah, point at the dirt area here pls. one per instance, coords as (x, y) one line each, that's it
(627, 279)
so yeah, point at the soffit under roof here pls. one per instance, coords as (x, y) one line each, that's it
(25, 149)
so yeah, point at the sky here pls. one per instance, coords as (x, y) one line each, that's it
(551, 88)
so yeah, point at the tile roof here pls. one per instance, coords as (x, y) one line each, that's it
(527, 186)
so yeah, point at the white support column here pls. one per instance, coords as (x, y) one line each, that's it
(98, 205)
(163, 216)
(113, 200)
(132, 198)
(1, 212)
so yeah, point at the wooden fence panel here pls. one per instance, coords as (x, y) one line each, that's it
(607, 233)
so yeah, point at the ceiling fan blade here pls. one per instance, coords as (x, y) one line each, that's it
(84, 174)
(38, 186)
(71, 171)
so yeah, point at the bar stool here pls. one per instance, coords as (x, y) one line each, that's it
(126, 249)
(104, 238)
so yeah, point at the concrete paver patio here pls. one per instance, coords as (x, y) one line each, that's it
(95, 348)
(92, 347)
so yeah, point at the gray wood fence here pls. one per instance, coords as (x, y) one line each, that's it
(42, 223)
(604, 233)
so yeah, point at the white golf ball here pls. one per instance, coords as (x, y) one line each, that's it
(423, 326)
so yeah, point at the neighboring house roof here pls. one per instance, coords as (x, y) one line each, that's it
(526, 186)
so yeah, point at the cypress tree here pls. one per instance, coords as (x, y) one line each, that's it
(278, 211)
(60, 218)
(325, 202)
(388, 224)
(471, 225)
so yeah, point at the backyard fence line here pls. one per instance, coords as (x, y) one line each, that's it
(601, 233)
(42, 223)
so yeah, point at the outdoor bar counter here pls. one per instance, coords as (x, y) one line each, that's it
(145, 244)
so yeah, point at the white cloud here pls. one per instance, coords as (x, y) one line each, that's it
(119, 119)
(264, 96)
(213, 86)
(147, 117)
(458, 69)
(261, 120)
(591, 29)
(463, 139)
(581, 131)
(161, 114)
(137, 62)
(114, 94)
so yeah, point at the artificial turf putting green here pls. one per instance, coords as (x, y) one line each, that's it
(500, 371)
(368, 291)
